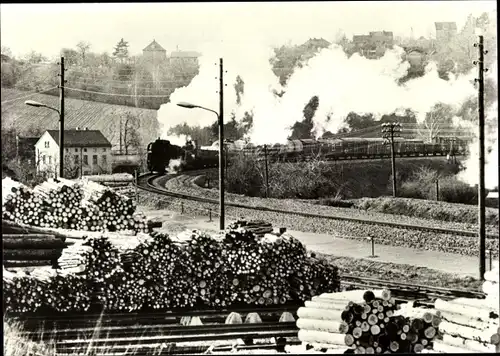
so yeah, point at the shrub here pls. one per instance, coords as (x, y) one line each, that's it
(336, 202)
(426, 209)
(453, 190)
(412, 189)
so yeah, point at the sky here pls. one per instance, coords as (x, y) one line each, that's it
(47, 28)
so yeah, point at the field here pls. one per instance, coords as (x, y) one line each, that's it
(78, 113)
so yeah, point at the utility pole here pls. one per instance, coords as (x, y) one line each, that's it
(267, 172)
(61, 120)
(482, 191)
(221, 147)
(391, 130)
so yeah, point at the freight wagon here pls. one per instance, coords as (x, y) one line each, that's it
(161, 152)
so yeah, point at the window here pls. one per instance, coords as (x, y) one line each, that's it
(50, 159)
(76, 149)
(104, 150)
(67, 149)
(43, 159)
(84, 150)
(104, 159)
(76, 158)
(94, 159)
(85, 159)
(46, 144)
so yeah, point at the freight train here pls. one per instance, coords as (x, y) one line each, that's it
(162, 152)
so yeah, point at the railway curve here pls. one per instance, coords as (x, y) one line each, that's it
(148, 182)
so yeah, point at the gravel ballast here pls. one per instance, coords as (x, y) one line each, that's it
(391, 236)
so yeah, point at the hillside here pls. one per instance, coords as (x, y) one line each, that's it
(79, 113)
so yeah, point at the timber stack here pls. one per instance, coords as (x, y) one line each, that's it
(364, 321)
(21, 250)
(157, 271)
(471, 325)
(77, 205)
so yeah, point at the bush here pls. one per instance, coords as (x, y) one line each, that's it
(411, 189)
(426, 209)
(453, 190)
(246, 176)
(422, 185)
(335, 202)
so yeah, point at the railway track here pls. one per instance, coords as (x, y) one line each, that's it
(147, 182)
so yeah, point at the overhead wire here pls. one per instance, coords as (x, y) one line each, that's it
(29, 95)
(115, 94)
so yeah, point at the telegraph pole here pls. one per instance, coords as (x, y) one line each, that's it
(482, 191)
(267, 172)
(61, 120)
(391, 130)
(221, 147)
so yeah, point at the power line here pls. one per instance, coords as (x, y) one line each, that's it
(123, 86)
(113, 94)
(30, 95)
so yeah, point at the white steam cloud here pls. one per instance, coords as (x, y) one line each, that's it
(470, 174)
(343, 85)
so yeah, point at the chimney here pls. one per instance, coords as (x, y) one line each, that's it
(77, 128)
(86, 129)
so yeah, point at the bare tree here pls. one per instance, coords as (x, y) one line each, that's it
(435, 120)
(6, 51)
(83, 48)
(129, 132)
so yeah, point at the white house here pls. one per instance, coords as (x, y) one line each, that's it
(87, 150)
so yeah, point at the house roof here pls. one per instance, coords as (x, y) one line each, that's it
(154, 46)
(185, 54)
(445, 25)
(81, 138)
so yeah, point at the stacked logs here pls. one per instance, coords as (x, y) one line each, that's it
(161, 272)
(469, 325)
(45, 288)
(257, 227)
(31, 249)
(362, 321)
(424, 328)
(62, 203)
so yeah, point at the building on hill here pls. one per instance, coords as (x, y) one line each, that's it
(445, 31)
(374, 44)
(184, 57)
(86, 151)
(154, 53)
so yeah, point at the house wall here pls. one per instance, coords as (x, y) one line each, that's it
(46, 154)
(47, 157)
(91, 160)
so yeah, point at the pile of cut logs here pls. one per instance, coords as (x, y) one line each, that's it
(363, 321)
(471, 325)
(62, 203)
(22, 250)
(160, 272)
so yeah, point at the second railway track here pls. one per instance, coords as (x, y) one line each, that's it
(147, 182)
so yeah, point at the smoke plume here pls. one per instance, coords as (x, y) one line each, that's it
(470, 174)
(343, 84)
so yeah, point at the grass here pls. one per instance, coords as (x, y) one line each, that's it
(426, 209)
(401, 272)
(18, 344)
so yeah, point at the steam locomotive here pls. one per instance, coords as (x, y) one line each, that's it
(162, 152)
